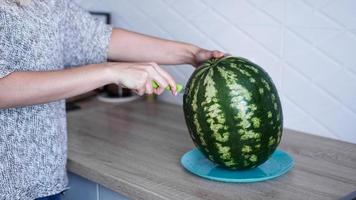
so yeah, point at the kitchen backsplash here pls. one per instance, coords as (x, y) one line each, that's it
(307, 46)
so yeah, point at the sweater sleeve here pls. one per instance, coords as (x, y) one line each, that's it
(6, 44)
(85, 39)
(4, 69)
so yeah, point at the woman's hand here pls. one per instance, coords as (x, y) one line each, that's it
(202, 55)
(139, 77)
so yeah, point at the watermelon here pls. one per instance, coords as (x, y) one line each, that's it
(233, 112)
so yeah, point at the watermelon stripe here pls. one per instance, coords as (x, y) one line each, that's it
(257, 81)
(196, 77)
(264, 90)
(203, 121)
(214, 116)
(189, 106)
(265, 126)
(195, 118)
(239, 99)
(222, 93)
(194, 104)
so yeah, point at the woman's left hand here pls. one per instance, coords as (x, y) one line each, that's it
(202, 55)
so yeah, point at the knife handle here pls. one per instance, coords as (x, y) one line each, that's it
(179, 87)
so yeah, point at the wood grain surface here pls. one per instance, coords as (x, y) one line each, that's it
(135, 149)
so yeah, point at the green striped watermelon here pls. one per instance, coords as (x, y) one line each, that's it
(233, 112)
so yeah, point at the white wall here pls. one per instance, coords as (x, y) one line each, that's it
(307, 46)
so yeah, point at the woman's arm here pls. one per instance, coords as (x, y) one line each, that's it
(135, 47)
(29, 88)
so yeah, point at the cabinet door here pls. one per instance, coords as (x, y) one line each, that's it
(80, 188)
(107, 194)
(83, 189)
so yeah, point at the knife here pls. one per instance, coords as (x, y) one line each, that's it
(179, 87)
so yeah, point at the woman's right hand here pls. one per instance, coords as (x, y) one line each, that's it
(139, 77)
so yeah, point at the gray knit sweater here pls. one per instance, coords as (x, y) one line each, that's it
(44, 35)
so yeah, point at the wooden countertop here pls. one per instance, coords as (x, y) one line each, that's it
(135, 149)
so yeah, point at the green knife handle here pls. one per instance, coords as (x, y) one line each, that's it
(179, 87)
